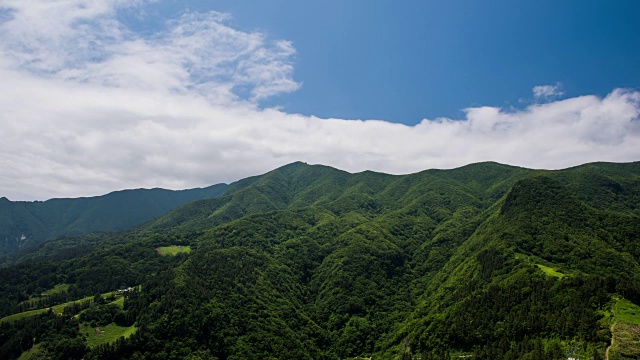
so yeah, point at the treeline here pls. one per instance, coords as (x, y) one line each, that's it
(123, 262)
(58, 336)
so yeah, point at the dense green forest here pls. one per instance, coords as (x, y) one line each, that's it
(486, 261)
(28, 223)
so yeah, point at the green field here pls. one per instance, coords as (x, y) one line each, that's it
(108, 334)
(60, 288)
(626, 312)
(35, 349)
(58, 309)
(18, 316)
(550, 271)
(173, 250)
(119, 302)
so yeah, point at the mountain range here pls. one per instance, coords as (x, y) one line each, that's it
(28, 223)
(310, 262)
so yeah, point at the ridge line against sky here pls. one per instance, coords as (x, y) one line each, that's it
(91, 104)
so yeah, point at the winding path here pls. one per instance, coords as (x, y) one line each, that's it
(612, 340)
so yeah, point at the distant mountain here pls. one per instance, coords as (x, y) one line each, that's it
(24, 223)
(486, 261)
(298, 185)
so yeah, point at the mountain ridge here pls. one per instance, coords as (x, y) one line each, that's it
(311, 262)
(27, 223)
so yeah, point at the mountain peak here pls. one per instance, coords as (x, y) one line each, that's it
(293, 165)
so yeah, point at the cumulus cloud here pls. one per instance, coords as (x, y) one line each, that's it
(82, 41)
(547, 92)
(89, 107)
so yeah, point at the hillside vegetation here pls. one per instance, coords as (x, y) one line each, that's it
(310, 262)
(28, 223)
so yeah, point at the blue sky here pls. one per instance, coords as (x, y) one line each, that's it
(103, 95)
(404, 61)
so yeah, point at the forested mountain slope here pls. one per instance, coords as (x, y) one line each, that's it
(310, 262)
(299, 185)
(27, 223)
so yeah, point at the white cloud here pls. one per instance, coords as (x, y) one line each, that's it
(547, 92)
(82, 41)
(89, 107)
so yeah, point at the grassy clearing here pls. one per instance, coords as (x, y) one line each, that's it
(626, 330)
(173, 250)
(626, 312)
(60, 288)
(108, 334)
(93, 338)
(34, 298)
(58, 308)
(35, 349)
(551, 271)
(119, 302)
(22, 315)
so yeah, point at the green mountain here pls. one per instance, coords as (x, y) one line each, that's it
(309, 262)
(24, 223)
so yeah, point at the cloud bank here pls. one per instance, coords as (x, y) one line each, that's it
(88, 106)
